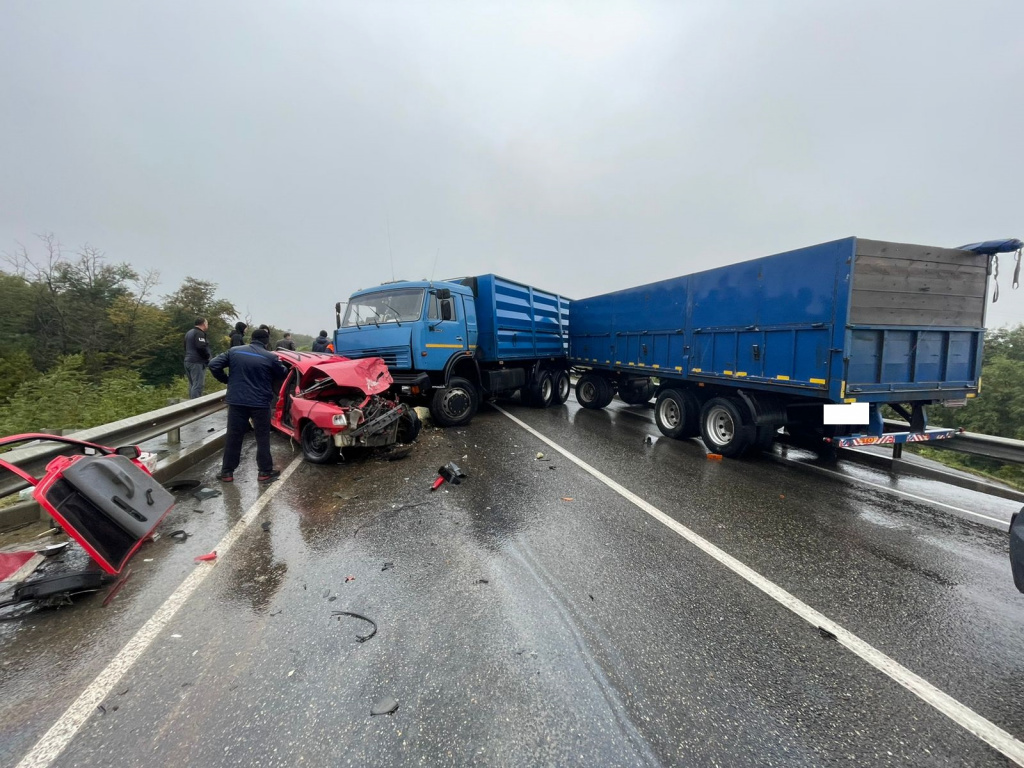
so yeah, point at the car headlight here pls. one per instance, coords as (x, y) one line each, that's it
(339, 420)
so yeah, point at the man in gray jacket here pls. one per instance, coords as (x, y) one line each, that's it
(197, 357)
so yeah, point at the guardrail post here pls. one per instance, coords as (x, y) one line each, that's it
(897, 450)
(174, 435)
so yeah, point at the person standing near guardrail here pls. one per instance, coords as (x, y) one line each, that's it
(238, 335)
(250, 373)
(197, 357)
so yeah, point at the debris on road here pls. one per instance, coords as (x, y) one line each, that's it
(648, 440)
(590, 596)
(205, 493)
(387, 567)
(714, 457)
(349, 578)
(186, 484)
(385, 706)
(207, 557)
(482, 581)
(52, 549)
(332, 598)
(359, 638)
(539, 456)
(265, 526)
(180, 535)
(568, 498)
(450, 473)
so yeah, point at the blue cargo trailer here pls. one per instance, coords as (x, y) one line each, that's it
(449, 342)
(735, 353)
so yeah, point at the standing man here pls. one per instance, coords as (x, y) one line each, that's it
(197, 357)
(238, 335)
(250, 376)
(286, 343)
(320, 344)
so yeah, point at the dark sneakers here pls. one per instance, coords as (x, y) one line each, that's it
(226, 477)
(268, 477)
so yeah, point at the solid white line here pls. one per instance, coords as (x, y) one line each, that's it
(984, 729)
(853, 479)
(893, 490)
(55, 740)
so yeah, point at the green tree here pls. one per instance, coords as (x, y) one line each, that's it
(194, 298)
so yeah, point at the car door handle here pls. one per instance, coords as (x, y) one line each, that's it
(458, 338)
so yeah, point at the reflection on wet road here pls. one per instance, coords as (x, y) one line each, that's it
(534, 615)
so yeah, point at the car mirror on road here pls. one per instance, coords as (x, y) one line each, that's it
(128, 451)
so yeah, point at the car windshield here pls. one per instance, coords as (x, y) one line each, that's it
(401, 305)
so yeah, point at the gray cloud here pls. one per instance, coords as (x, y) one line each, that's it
(579, 146)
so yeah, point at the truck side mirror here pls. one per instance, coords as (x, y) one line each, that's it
(444, 294)
(446, 309)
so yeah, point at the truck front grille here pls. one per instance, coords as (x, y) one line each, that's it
(393, 357)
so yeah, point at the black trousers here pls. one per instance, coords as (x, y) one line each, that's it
(238, 425)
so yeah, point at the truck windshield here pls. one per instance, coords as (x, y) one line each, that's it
(400, 305)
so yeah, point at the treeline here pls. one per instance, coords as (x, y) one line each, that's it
(86, 342)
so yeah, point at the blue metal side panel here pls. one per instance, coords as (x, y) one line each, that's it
(519, 322)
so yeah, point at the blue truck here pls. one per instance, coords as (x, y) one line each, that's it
(736, 353)
(449, 343)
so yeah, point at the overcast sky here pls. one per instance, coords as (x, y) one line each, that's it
(580, 147)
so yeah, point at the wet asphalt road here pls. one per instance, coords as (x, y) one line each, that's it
(518, 628)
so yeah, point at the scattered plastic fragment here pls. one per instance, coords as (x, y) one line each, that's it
(349, 578)
(385, 706)
(147, 560)
(198, 511)
(207, 557)
(590, 596)
(180, 535)
(182, 485)
(482, 581)
(540, 455)
(648, 440)
(205, 493)
(714, 457)
(359, 638)
(52, 549)
(332, 598)
(568, 498)
(175, 635)
(450, 473)
(123, 690)
(291, 673)
(782, 495)
(266, 525)
(387, 567)
(826, 634)
(212, 429)
(102, 709)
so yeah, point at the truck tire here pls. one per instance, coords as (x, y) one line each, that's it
(562, 387)
(409, 426)
(764, 440)
(593, 391)
(724, 429)
(542, 391)
(637, 395)
(317, 446)
(456, 404)
(677, 414)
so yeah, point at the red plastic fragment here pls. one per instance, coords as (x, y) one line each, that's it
(207, 557)
(437, 483)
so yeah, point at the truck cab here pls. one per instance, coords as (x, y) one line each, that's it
(425, 331)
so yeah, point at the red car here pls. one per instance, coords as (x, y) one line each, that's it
(328, 402)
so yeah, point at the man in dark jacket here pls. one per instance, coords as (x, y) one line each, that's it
(251, 374)
(286, 343)
(197, 357)
(320, 344)
(238, 335)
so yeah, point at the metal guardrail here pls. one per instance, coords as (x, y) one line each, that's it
(988, 446)
(131, 431)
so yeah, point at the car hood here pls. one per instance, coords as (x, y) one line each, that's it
(369, 375)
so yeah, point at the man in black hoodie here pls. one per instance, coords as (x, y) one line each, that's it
(251, 374)
(197, 357)
(238, 335)
(320, 344)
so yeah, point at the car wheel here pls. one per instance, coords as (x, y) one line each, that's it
(409, 426)
(454, 405)
(318, 445)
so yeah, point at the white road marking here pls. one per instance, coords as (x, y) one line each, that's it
(897, 491)
(853, 479)
(967, 718)
(55, 740)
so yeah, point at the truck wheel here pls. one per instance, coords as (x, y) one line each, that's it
(454, 405)
(637, 395)
(562, 387)
(677, 414)
(764, 440)
(593, 391)
(723, 429)
(317, 446)
(409, 426)
(542, 391)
